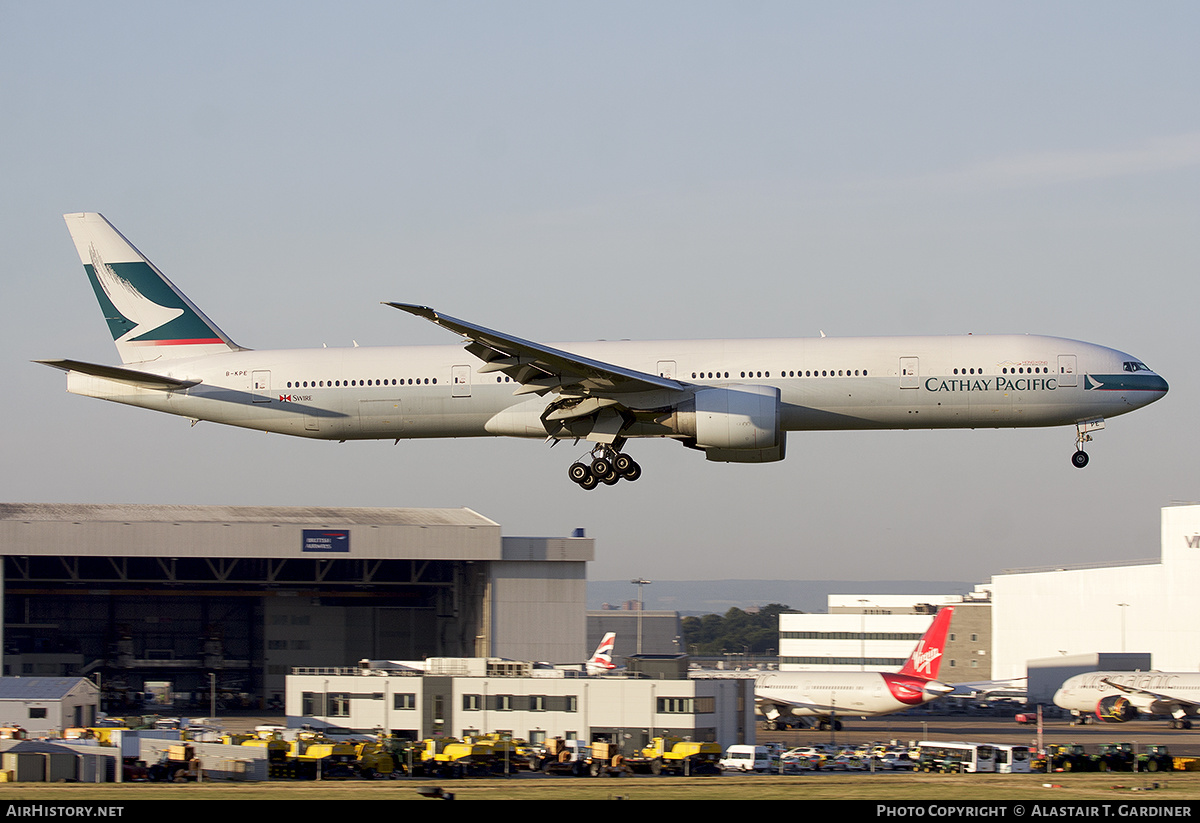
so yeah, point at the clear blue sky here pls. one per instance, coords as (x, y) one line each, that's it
(570, 171)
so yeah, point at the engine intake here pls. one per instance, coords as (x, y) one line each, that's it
(1116, 709)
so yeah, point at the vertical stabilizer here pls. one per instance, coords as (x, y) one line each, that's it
(926, 659)
(601, 660)
(148, 317)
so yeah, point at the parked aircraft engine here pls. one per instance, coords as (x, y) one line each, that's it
(735, 425)
(1116, 709)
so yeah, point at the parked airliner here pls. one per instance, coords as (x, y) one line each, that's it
(734, 400)
(1117, 697)
(824, 696)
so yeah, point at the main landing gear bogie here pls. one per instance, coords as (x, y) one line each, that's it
(607, 466)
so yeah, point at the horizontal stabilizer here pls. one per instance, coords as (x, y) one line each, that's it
(136, 378)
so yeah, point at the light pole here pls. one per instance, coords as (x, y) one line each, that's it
(639, 582)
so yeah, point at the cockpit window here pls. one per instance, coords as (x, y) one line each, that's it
(1133, 365)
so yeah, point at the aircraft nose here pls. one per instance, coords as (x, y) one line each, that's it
(1148, 389)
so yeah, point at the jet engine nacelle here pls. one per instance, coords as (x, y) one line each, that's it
(1116, 709)
(735, 425)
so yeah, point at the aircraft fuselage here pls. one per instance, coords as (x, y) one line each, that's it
(969, 381)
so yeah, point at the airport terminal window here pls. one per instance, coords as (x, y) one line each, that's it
(504, 702)
(537, 703)
(472, 702)
(37, 714)
(404, 701)
(675, 705)
(339, 704)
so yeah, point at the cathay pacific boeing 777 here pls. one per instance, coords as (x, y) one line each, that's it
(733, 400)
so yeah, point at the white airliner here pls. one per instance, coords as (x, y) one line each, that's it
(823, 696)
(734, 400)
(1117, 697)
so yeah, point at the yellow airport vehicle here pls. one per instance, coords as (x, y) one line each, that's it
(676, 756)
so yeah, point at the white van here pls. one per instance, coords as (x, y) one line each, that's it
(747, 759)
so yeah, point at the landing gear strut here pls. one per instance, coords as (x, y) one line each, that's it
(1080, 458)
(608, 466)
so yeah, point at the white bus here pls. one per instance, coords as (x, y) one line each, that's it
(1013, 759)
(956, 756)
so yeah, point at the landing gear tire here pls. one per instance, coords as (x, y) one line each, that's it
(607, 465)
(1079, 459)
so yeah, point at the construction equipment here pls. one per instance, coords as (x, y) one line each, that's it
(318, 756)
(178, 764)
(676, 756)
(564, 757)
(449, 757)
(373, 759)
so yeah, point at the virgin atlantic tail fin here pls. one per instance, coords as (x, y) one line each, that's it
(926, 659)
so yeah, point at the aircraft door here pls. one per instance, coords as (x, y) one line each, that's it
(666, 368)
(260, 381)
(910, 373)
(1067, 370)
(460, 378)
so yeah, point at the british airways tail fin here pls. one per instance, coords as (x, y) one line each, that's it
(601, 660)
(926, 659)
(148, 317)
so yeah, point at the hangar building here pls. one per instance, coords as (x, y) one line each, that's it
(1144, 606)
(155, 598)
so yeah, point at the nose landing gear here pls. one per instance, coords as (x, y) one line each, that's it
(1080, 458)
(608, 466)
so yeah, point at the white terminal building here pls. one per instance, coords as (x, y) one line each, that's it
(462, 697)
(1132, 614)
(1145, 606)
(877, 632)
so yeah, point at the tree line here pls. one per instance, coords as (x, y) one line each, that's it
(736, 632)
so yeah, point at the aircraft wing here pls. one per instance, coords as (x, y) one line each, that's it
(541, 369)
(1156, 702)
